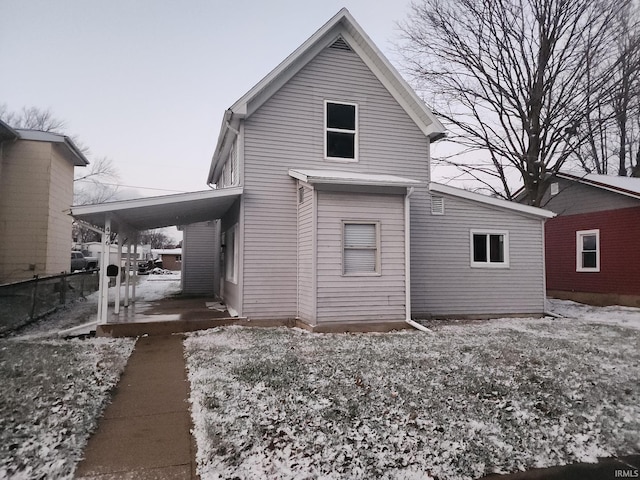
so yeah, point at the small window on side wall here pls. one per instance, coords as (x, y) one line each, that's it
(231, 254)
(341, 137)
(588, 251)
(489, 249)
(361, 248)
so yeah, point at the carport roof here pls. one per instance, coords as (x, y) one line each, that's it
(156, 212)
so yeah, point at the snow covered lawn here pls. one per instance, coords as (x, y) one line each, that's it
(472, 399)
(53, 390)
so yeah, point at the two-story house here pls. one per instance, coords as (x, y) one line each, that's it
(338, 223)
(322, 209)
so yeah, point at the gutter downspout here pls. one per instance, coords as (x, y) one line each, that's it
(407, 262)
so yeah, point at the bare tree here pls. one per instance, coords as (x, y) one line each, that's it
(32, 118)
(508, 77)
(611, 126)
(156, 238)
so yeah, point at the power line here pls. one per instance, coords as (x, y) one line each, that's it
(131, 186)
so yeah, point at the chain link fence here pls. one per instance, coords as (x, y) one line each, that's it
(24, 302)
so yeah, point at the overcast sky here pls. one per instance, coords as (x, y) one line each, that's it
(146, 82)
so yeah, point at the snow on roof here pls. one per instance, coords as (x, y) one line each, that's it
(495, 202)
(629, 186)
(337, 177)
(167, 251)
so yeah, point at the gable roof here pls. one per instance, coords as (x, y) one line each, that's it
(628, 186)
(491, 201)
(344, 27)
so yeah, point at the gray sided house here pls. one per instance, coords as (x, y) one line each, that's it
(338, 225)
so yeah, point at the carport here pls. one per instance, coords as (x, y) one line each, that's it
(120, 222)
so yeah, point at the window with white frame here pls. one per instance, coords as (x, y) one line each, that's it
(361, 248)
(588, 251)
(489, 249)
(341, 135)
(231, 254)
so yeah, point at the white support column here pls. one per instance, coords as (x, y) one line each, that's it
(101, 284)
(116, 309)
(135, 269)
(106, 248)
(127, 273)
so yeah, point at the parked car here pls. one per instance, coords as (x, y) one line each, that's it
(80, 262)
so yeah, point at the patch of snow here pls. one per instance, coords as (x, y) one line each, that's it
(491, 397)
(628, 317)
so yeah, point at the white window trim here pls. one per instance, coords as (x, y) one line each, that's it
(378, 271)
(489, 264)
(579, 235)
(355, 132)
(231, 278)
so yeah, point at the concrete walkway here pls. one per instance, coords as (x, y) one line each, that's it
(145, 431)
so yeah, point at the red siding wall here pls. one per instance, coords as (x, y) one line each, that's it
(619, 252)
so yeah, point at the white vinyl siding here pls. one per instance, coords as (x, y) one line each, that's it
(287, 132)
(306, 256)
(355, 298)
(361, 248)
(454, 287)
(588, 251)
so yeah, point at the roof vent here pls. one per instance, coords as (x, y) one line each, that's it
(340, 44)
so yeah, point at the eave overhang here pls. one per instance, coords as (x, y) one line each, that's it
(491, 201)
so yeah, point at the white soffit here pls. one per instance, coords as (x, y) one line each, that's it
(337, 177)
(494, 202)
(158, 212)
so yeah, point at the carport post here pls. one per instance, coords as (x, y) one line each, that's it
(135, 269)
(116, 308)
(127, 274)
(101, 278)
(106, 244)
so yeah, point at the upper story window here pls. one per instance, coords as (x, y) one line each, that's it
(341, 131)
(588, 251)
